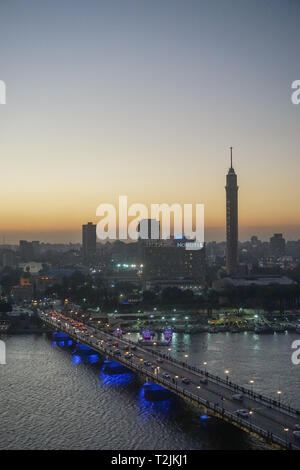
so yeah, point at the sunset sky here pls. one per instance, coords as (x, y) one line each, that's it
(144, 98)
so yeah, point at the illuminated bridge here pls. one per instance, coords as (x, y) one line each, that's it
(263, 417)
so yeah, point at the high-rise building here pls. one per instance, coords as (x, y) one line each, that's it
(89, 240)
(231, 219)
(26, 250)
(169, 259)
(29, 250)
(254, 240)
(277, 245)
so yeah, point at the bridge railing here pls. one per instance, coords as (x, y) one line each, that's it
(218, 409)
(226, 382)
(229, 384)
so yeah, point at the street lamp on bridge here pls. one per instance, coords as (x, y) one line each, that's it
(279, 392)
(286, 430)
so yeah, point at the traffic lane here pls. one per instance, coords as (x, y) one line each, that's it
(262, 417)
(216, 392)
(228, 405)
(222, 391)
(257, 407)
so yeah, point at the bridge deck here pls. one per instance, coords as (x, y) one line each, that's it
(268, 419)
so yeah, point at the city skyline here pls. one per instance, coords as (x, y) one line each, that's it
(231, 228)
(76, 237)
(118, 103)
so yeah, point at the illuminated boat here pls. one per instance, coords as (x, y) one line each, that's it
(146, 334)
(168, 334)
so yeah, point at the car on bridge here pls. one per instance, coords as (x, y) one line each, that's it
(238, 397)
(203, 380)
(296, 434)
(166, 375)
(243, 413)
(185, 381)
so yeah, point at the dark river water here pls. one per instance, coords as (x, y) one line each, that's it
(53, 398)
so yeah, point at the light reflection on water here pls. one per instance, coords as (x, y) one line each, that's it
(115, 380)
(76, 359)
(149, 409)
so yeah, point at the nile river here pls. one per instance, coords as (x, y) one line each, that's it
(53, 399)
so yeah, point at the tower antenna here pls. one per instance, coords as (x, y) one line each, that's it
(231, 157)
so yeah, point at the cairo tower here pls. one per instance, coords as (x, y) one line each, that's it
(231, 219)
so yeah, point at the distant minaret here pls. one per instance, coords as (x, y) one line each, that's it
(231, 219)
